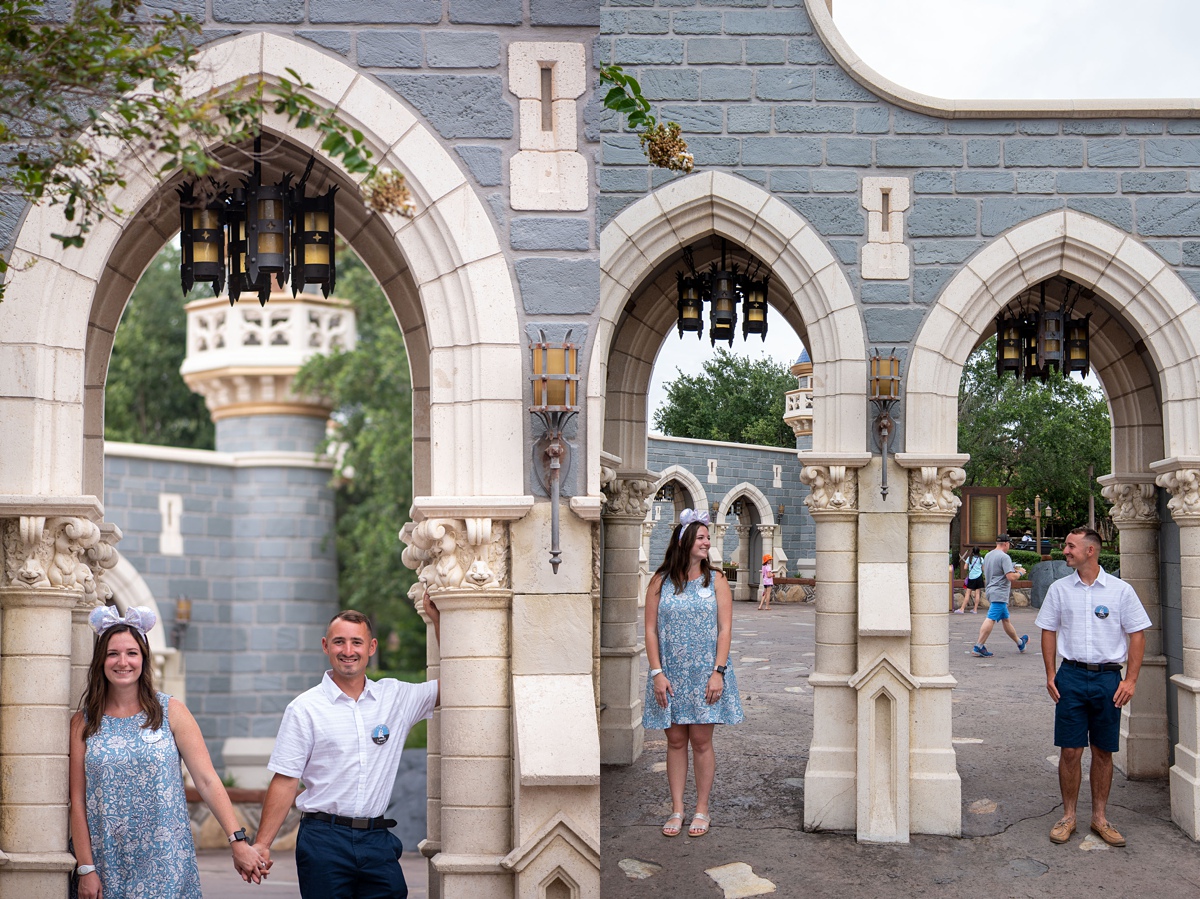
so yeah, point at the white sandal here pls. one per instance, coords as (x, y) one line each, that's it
(707, 822)
(668, 830)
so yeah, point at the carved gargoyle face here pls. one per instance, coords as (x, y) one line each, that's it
(32, 574)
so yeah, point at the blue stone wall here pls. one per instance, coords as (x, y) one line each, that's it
(281, 433)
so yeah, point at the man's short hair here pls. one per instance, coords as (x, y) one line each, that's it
(1089, 535)
(354, 618)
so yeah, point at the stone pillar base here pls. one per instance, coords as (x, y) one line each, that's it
(36, 875)
(1185, 773)
(830, 784)
(1145, 741)
(935, 789)
(621, 732)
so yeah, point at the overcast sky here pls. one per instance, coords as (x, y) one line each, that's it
(995, 49)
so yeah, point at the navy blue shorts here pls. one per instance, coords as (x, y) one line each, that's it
(1085, 709)
(337, 862)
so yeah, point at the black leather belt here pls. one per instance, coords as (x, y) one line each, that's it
(1089, 666)
(380, 823)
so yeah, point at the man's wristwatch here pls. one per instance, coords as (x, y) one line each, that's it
(720, 669)
(83, 870)
(238, 835)
(654, 672)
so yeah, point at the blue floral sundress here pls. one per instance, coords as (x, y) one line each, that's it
(687, 646)
(137, 812)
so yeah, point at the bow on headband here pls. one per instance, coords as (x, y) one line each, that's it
(139, 618)
(688, 516)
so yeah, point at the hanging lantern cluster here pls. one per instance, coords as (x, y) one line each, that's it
(1031, 342)
(723, 287)
(256, 235)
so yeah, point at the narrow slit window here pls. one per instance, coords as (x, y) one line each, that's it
(547, 98)
(886, 209)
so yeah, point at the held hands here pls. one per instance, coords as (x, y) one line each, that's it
(662, 689)
(251, 862)
(89, 886)
(716, 686)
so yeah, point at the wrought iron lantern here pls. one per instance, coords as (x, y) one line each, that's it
(1009, 353)
(312, 238)
(722, 313)
(666, 493)
(1033, 342)
(690, 304)
(885, 393)
(1078, 356)
(737, 508)
(723, 287)
(202, 238)
(555, 387)
(754, 305)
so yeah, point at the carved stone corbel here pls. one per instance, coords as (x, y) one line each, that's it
(1132, 503)
(627, 496)
(931, 489)
(456, 553)
(1184, 487)
(833, 488)
(60, 553)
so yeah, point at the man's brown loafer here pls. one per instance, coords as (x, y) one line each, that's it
(1108, 833)
(1061, 832)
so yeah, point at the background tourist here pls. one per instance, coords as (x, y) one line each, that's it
(768, 584)
(998, 575)
(974, 582)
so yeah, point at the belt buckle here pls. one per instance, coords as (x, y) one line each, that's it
(360, 823)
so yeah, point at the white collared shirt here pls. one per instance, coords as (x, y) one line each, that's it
(326, 740)
(1091, 623)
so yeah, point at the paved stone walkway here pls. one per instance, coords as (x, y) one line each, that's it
(1003, 726)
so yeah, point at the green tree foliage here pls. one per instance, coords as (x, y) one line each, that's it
(735, 399)
(372, 392)
(145, 399)
(1037, 438)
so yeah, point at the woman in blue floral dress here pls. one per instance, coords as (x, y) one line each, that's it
(690, 689)
(129, 817)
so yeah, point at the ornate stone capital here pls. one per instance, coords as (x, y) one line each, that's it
(458, 553)
(743, 531)
(1184, 487)
(931, 489)
(767, 530)
(627, 495)
(834, 488)
(61, 553)
(1132, 503)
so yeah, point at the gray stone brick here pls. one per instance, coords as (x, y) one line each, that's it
(845, 250)
(892, 326)
(983, 153)
(1112, 209)
(609, 207)
(642, 21)
(652, 51)
(337, 41)
(714, 51)
(670, 84)
(928, 283)
(461, 49)
(808, 51)
(390, 49)
(781, 151)
(1114, 153)
(871, 120)
(698, 119)
(1143, 127)
(1192, 279)
(893, 292)
(559, 286)
(1000, 215)
(1087, 182)
(382, 12)
(1169, 151)
(1035, 182)
(838, 216)
(716, 150)
(917, 152)
(985, 182)
(848, 151)
(765, 51)
(535, 233)
(982, 126)
(1184, 126)
(1191, 252)
(906, 122)
(758, 176)
(933, 183)
(486, 12)
(484, 163)
(726, 84)
(1043, 152)
(564, 12)
(1154, 182)
(928, 252)
(834, 84)
(282, 11)
(458, 105)
(767, 22)
(827, 182)
(943, 218)
(748, 119)
(1194, 182)
(695, 21)
(784, 181)
(1170, 250)
(1168, 216)
(784, 84)
(1040, 126)
(1091, 126)
(816, 119)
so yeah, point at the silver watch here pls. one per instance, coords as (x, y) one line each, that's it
(85, 869)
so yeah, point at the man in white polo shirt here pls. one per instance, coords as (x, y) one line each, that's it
(343, 739)
(1095, 622)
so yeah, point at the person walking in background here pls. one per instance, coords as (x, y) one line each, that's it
(974, 582)
(1095, 622)
(690, 688)
(768, 584)
(998, 575)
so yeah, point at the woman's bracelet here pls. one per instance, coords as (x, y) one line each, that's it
(654, 672)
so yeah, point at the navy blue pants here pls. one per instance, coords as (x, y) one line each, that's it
(1085, 711)
(337, 862)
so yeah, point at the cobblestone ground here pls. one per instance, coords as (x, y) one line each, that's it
(1003, 730)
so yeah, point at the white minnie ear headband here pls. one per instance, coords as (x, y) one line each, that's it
(692, 516)
(140, 618)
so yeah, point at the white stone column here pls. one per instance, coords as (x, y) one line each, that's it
(646, 565)
(432, 844)
(741, 558)
(1145, 739)
(1183, 483)
(767, 533)
(716, 549)
(624, 510)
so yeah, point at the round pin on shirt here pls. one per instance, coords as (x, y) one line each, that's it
(380, 734)
(1101, 612)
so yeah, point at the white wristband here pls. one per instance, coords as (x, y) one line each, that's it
(655, 671)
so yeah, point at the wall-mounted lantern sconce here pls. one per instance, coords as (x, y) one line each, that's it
(183, 617)
(885, 393)
(738, 508)
(715, 507)
(666, 493)
(779, 513)
(555, 388)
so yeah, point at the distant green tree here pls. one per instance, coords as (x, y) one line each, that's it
(372, 393)
(145, 399)
(1037, 438)
(736, 399)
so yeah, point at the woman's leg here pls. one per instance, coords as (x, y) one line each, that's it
(700, 736)
(677, 763)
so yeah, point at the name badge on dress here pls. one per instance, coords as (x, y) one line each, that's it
(151, 736)
(705, 592)
(380, 735)
(1101, 612)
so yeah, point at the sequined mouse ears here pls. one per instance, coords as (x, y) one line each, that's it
(139, 618)
(688, 516)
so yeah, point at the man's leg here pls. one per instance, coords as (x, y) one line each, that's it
(985, 631)
(325, 863)
(1100, 774)
(379, 873)
(1070, 772)
(1011, 631)
(1071, 737)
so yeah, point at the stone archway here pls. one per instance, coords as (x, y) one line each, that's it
(1149, 364)
(755, 532)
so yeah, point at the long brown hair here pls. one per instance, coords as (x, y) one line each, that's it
(679, 556)
(95, 694)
